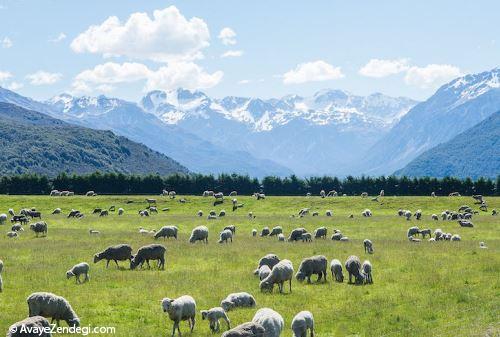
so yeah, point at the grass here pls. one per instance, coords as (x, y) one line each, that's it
(426, 289)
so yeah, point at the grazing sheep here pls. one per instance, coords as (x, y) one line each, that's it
(238, 300)
(3, 218)
(104, 213)
(12, 235)
(455, 237)
(366, 268)
(353, 266)
(425, 232)
(329, 213)
(276, 230)
(465, 223)
(219, 195)
(368, 245)
(249, 329)
(90, 194)
(233, 194)
(337, 236)
(254, 232)
(153, 209)
(454, 194)
(167, 232)
(213, 316)
(121, 211)
(418, 214)
(316, 265)
(39, 228)
(199, 233)
(265, 231)
(336, 269)
(144, 213)
(147, 253)
(364, 194)
(264, 272)
(332, 193)
(116, 253)
(17, 228)
(315, 213)
(301, 323)
(180, 309)
(232, 228)
(74, 214)
(222, 213)
(303, 212)
(211, 217)
(269, 260)
(367, 213)
(282, 272)
(50, 305)
(408, 215)
(151, 201)
(225, 235)
(77, 270)
(94, 232)
(494, 212)
(1, 280)
(37, 325)
(296, 234)
(281, 237)
(272, 322)
(438, 234)
(306, 237)
(434, 217)
(412, 231)
(320, 232)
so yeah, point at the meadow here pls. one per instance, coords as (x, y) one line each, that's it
(419, 289)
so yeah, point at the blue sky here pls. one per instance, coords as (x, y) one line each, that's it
(272, 48)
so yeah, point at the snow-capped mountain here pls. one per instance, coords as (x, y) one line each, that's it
(454, 108)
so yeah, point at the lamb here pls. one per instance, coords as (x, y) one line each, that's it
(77, 270)
(434, 217)
(366, 267)
(368, 245)
(412, 231)
(90, 194)
(238, 300)
(38, 325)
(50, 305)
(282, 272)
(272, 322)
(281, 237)
(269, 260)
(265, 231)
(425, 232)
(39, 227)
(353, 266)
(167, 232)
(213, 316)
(296, 234)
(276, 230)
(264, 272)
(225, 235)
(116, 253)
(320, 232)
(249, 329)
(336, 269)
(147, 253)
(302, 322)
(180, 309)
(312, 265)
(1, 280)
(306, 237)
(199, 233)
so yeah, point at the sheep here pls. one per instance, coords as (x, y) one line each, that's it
(56, 211)
(17, 228)
(232, 228)
(3, 218)
(276, 230)
(413, 239)
(353, 266)
(282, 272)
(454, 194)
(1, 280)
(329, 213)
(444, 215)
(222, 213)
(303, 212)
(408, 215)
(116, 253)
(248, 329)
(312, 265)
(199, 233)
(212, 217)
(233, 194)
(199, 213)
(50, 305)
(322, 193)
(302, 322)
(344, 239)
(90, 194)
(39, 227)
(438, 234)
(238, 300)
(412, 231)
(153, 209)
(254, 232)
(337, 236)
(332, 193)
(368, 245)
(296, 234)
(272, 322)
(74, 214)
(213, 315)
(465, 223)
(219, 195)
(225, 235)
(180, 309)
(367, 213)
(418, 214)
(12, 235)
(456, 237)
(366, 268)
(144, 213)
(77, 270)
(401, 212)
(167, 232)
(482, 245)
(315, 213)
(32, 326)
(364, 194)
(320, 232)
(151, 201)
(281, 237)
(434, 217)
(269, 260)
(265, 231)
(425, 232)
(55, 193)
(336, 269)
(494, 212)
(264, 271)
(94, 232)
(104, 213)
(121, 211)
(306, 237)
(146, 253)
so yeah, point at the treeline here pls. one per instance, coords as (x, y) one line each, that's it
(117, 183)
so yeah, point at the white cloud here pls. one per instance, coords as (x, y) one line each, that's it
(167, 36)
(232, 53)
(4, 76)
(43, 78)
(432, 75)
(381, 68)
(111, 73)
(227, 36)
(312, 71)
(59, 38)
(15, 86)
(244, 82)
(6, 42)
(106, 88)
(182, 74)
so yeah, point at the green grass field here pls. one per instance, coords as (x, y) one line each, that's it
(425, 289)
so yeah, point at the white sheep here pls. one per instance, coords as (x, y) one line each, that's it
(280, 273)
(77, 270)
(3, 218)
(238, 300)
(336, 268)
(329, 213)
(38, 325)
(456, 237)
(264, 271)
(302, 322)
(254, 232)
(121, 211)
(434, 217)
(53, 306)
(213, 316)
(368, 245)
(199, 233)
(225, 235)
(482, 245)
(12, 235)
(248, 329)
(281, 237)
(272, 321)
(366, 269)
(306, 237)
(180, 309)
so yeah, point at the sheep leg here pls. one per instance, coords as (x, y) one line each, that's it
(312, 332)
(77, 279)
(193, 320)
(309, 279)
(227, 322)
(350, 278)
(107, 263)
(116, 262)
(290, 280)
(175, 327)
(147, 262)
(320, 276)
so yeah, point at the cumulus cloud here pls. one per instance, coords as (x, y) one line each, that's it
(59, 38)
(381, 68)
(227, 36)
(182, 74)
(432, 75)
(4, 76)
(312, 72)
(232, 53)
(6, 42)
(15, 86)
(112, 73)
(43, 78)
(166, 36)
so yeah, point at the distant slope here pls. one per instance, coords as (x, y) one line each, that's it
(473, 153)
(32, 142)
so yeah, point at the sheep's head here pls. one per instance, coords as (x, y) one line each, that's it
(133, 262)
(97, 258)
(300, 276)
(226, 305)
(204, 314)
(166, 304)
(266, 286)
(74, 322)
(69, 274)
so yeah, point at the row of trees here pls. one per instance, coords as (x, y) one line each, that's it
(117, 183)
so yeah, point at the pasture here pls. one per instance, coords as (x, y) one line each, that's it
(420, 289)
